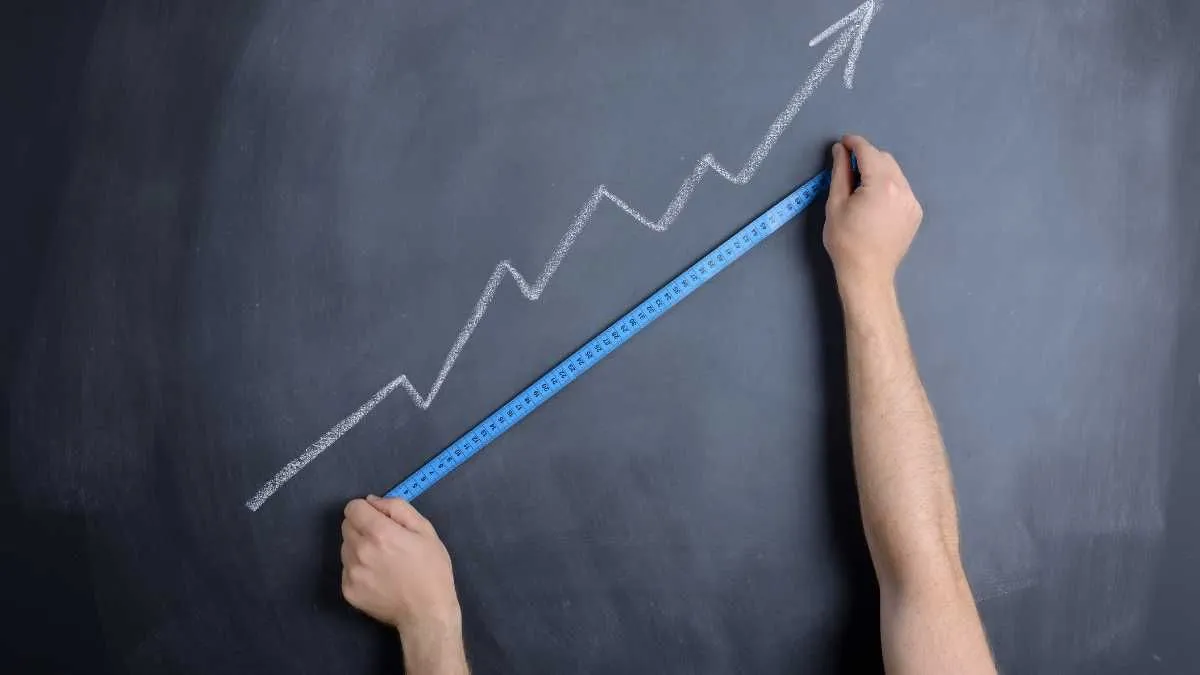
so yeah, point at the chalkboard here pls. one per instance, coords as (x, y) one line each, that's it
(230, 224)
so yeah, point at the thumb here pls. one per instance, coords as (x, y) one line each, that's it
(402, 512)
(841, 182)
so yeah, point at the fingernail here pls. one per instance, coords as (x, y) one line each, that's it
(372, 498)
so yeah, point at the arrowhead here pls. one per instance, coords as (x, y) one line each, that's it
(853, 26)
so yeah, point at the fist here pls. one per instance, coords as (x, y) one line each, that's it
(396, 569)
(869, 229)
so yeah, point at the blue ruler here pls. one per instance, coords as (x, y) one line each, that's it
(607, 341)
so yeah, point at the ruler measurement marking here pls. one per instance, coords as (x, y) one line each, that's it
(605, 342)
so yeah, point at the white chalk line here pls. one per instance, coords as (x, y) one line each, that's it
(858, 20)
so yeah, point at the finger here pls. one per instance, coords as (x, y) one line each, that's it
(348, 556)
(366, 518)
(350, 534)
(840, 185)
(895, 172)
(872, 164)
(404, 513)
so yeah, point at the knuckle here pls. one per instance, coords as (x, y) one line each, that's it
(356, 574)
(366, 550)
(373, 534)
(421, 521)
(348, 586)
(351, 595)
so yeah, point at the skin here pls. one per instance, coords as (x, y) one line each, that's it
(928, 618)
(396, 569)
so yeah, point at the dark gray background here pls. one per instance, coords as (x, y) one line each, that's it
(227, 223)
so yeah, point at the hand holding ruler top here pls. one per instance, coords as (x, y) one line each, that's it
(569, 369)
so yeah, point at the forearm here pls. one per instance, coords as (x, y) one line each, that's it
(928, 620)
(904, 483)
(434, 649)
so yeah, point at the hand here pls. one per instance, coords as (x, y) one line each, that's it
(868, 230)
(396, 569)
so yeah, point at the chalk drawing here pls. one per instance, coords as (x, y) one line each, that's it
(853, 27)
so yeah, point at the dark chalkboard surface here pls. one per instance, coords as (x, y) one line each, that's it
(228, 224)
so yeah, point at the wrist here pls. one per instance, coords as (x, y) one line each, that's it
(434, 646)
(431, 627)
(866, 296)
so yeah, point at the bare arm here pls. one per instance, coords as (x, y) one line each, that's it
(929, 621)
(395, 569)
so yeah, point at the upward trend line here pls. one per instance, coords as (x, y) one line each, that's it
(853, 27)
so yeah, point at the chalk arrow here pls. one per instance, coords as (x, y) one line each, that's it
(854, 24)
(850, 30)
